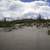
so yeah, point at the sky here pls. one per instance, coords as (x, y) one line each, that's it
(27, 0)
(16, 9)
(48, 0)
(33, 0)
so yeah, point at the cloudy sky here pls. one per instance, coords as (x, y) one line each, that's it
(16, 9)
(31, 0)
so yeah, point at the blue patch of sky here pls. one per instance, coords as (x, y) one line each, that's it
(36, 0)
(33, 0)
(48, 0)
(26, 0)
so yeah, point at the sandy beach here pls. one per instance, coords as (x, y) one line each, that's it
(28, 38)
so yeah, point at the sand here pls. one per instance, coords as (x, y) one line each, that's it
(27, 38)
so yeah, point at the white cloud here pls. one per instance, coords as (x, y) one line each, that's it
(16, 8)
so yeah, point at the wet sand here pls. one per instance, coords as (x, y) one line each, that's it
(28, 38)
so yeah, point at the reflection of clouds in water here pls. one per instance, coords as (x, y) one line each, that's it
(16, 8)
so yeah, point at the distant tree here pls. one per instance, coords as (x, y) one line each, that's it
(39, 17)
(4, 19)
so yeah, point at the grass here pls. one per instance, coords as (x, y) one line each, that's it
(10, 25)
(25, 22)
(48, 32)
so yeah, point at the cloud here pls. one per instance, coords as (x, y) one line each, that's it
(15, 9)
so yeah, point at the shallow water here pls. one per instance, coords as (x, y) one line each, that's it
(27, 38)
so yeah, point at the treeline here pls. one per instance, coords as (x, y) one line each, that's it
(25, 21)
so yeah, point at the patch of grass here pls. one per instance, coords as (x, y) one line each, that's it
(48, 32)
(25, 22)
